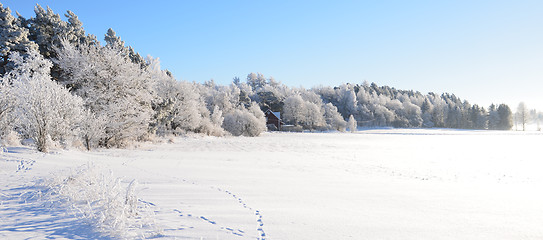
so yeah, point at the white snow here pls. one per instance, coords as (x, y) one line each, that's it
(371, 184)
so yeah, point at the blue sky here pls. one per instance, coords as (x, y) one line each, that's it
(483, 51)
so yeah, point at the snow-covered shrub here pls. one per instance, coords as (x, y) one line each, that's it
(212, 126)
(102, 201)
(11, 139)
(44, 109)
(242, 122)
(351, 124)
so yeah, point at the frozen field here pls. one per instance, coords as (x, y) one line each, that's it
(372, 184)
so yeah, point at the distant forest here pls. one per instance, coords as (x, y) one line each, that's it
(60, 86)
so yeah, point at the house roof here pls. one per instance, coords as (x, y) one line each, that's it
(277, 114)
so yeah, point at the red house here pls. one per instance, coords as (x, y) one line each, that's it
(273, 120)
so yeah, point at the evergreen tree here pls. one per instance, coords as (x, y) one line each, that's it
(114, 42)
(506, 117)
(493, 118)
(13, 38)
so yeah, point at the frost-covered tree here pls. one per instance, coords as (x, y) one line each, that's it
(256, 80)
(505, 116)
(493, 117)
(333, 119)
(112, 40)
(413, 114)
(13, 38)
(178, 106)
(44, 109)
(347, 101)
(522, 115)
(217, 117)
(187, 110)
(92, 129)
(112, 87)
(7, 104)
(294, 109)
(115, 42)
(307, 114)
(478, 117)
(426, 109)
(314, 118)
(226, 98)
(351, 124)
(47, 30)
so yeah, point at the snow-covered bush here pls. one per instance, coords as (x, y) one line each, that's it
(213, 125)
(10, 139)
(102, 201)
(44, 109)
(243, 122)
(351, 124)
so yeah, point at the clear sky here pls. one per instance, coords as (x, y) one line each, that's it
(482, 51)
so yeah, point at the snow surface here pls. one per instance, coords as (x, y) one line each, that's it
(372, 184)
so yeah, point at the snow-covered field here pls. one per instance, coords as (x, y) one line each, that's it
(372, 184)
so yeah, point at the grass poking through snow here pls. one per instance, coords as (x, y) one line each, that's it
(108, 204)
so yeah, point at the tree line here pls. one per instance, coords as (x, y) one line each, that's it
(61, 86)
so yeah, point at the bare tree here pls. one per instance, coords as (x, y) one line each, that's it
(523, 115)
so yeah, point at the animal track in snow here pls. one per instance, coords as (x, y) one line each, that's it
(25, 165)
(239, 200)
(260, 223)
(237, 232)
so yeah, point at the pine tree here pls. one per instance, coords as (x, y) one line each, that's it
(113, 41)
(13, 38)
(46, 29)
(493, 118)
(506, 117)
